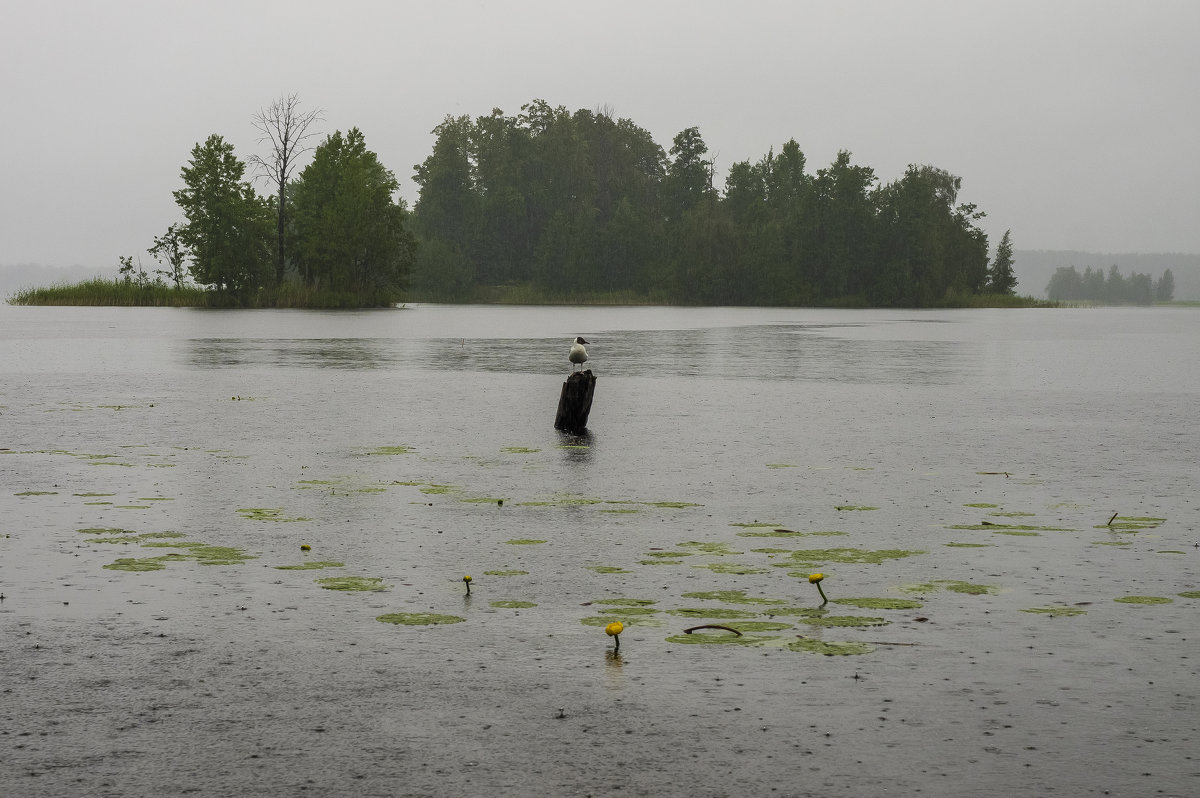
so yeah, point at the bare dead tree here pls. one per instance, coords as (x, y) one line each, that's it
(285, 128)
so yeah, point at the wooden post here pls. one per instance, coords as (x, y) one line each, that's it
(575, 401)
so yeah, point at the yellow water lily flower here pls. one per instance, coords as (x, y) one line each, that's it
(615, 628)
(467, 582)
(814, 578)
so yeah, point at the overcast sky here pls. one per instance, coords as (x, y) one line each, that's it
(1073, 122)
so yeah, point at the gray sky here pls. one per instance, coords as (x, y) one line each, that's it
(1073, 122)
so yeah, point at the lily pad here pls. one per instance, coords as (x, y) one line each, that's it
(1055, 612)
(731, 568)
(1144, 600)
(847, 620)
(712, 612)
(524, 542)
(505, 573)
(390, 450)
(627, 620)
(137, 564)
(315, 565)
(267, 514)
(1190, 594)
(829, 649)
(732, 597)
(626, 602)
(880, 603)
(953, 585)
(418, 618)
(846, 555)
(513, 605)
(788, 533)
(363, 583)
(608, 569)
(716, 637)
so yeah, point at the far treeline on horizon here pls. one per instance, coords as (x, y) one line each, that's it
(551, 206)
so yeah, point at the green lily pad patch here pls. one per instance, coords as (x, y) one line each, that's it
(626, 602)
(982, 505)
(1014, 514)
(855, 508)
(719, 637)
(781, 465)
(756, 524)
(391, 450)
(104, 530)
(1144, 600)
(1190, 594)
(712, 612)
(608, 569)
(519, 450)
(668, 555)
(505, 573)
(418, 618)
(720, 550)
(952, 585)
(671, 505)
(315, 565)
(731, 568)
(731, 597)
(788, 533)
(524, 542)
(1055, 612)
(828, 648)
(627, 620)
(1010, 529)
(356, 583)
(758, 626)
(138, 564)
(37, 493)
(880, 603)
(1111, 543)
(845, 555)
(847, 620)
(513, 605)
(970, 545)
(93, 495)
(1124, 523)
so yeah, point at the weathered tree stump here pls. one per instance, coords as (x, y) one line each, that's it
(575, 401)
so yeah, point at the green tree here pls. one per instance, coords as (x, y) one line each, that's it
(170, 250)
(228, 226)
(1164, 288)
(1001, 279)
(351, 233)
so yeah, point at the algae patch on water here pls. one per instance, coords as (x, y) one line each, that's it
(513, 605)
(418, 618)
(524, 542)
(359, 583)
(505, 573)
(608, 569)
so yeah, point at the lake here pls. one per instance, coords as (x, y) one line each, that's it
(1002, 502)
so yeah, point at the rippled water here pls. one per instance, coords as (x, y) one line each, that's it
(414, 445)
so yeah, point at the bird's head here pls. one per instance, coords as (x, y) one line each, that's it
(580, 341)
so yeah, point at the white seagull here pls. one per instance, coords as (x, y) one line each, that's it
(578, 353)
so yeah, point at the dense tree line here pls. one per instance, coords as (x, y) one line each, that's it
(581, 204)
(336, 234)
(1068, 285)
